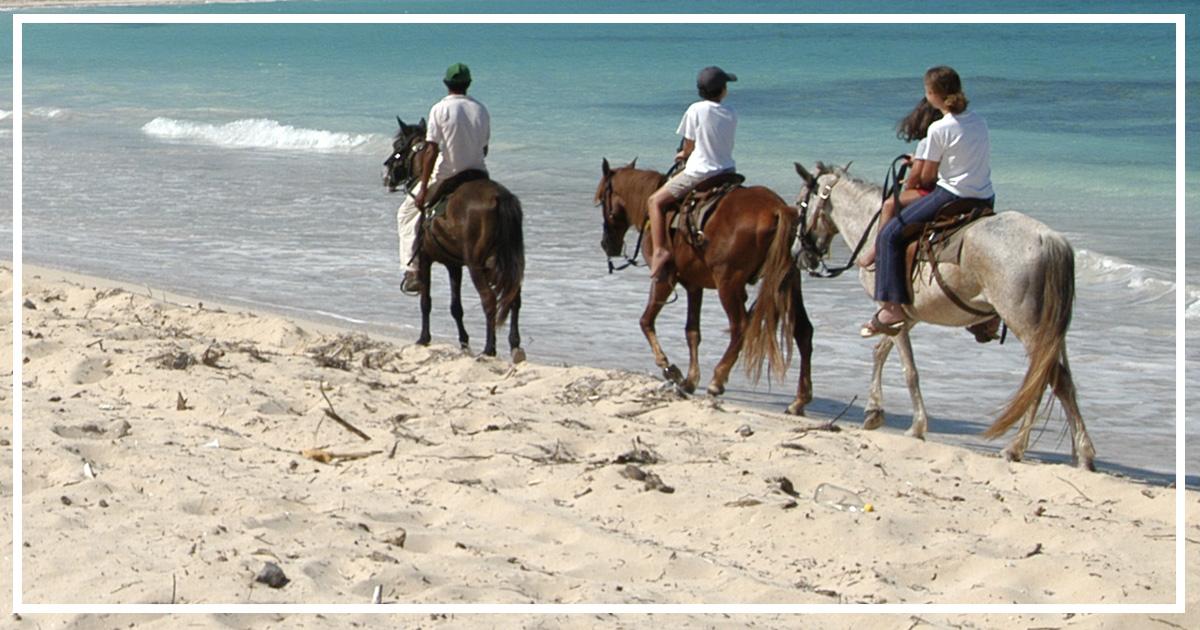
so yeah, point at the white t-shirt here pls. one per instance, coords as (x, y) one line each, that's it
(959, 143)
(710, 125)
(461, 127)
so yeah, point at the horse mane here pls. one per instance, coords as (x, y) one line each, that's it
(637, 186)
(862, 188)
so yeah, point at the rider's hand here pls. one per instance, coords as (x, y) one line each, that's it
(681, 156)
(908, 160)
(419, 199)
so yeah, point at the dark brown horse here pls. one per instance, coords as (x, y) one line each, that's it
(749, 236)
(480, 229)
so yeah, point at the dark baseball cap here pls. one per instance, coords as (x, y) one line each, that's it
(458, 73)
(713, 79)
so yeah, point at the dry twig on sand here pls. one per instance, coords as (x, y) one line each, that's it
(338, 419)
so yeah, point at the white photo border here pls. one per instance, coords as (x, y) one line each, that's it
(1178, 20)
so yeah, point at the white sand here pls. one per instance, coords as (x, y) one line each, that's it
(500, 480)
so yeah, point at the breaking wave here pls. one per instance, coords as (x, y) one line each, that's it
(256, 133)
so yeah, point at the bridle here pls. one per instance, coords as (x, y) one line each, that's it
(606, 205)
(891, 187)
(808, 243)
(407, 157)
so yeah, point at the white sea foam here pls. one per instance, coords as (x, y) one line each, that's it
(1147, 284)
(48, 113)
(5, 114)
(258, 133)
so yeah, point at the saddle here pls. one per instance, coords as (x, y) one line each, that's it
(941, 241)
(697, 207)
(439, 196)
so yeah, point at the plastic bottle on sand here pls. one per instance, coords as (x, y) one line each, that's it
(840, 498)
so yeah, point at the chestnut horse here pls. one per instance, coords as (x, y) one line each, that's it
(480, 229)
(749, 237)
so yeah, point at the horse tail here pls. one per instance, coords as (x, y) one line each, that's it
(509, 252)
(772, 316)
(1047, 345)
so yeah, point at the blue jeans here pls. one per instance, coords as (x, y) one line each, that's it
(891, 273)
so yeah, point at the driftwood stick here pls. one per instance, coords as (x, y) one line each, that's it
(338, 419)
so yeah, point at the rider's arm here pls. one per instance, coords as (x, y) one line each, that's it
(924, 174)
(688, 146)
(431, 155)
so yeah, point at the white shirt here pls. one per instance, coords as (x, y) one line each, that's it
(461, 127)
(959, 143)
(710, 125)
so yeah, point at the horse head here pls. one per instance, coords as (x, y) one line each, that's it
(612, 207)
(400, 168)
(817, 228)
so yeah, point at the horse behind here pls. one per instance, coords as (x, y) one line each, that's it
(1011, 265)
(480, 229)
(748, 238)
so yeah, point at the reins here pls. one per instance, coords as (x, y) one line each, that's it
(891, 187)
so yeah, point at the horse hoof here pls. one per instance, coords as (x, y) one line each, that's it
(688, 387)
(914, 432)
(874, 419)
(1011, 455)
(796, 408)
(1086, 464)
(423, 340)
(518, 355)
(716, 390)
(672, 373)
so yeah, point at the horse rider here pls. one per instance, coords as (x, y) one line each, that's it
(707, 128)
(958, 148)
(458, 134)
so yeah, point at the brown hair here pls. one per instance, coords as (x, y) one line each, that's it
(915, 126)
(944, 81)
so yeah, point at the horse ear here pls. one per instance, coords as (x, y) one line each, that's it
(633, 164)
(847, 166)
(403, 127)
(804, 174)
(422, 123)
(820, 166)
(605, 168)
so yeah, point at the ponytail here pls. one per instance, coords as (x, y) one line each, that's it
(944, 82)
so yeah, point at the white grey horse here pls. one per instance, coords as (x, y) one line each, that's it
(1011, 264)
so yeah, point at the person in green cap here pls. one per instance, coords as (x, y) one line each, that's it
(458, 132)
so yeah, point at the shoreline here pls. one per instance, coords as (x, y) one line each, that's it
(333, 325)
(181, 431)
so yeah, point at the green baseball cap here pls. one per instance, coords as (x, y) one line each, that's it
(458, 73)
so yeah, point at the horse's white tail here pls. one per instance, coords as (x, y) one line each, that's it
(1047, 343)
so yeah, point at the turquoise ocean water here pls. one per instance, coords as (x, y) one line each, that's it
(241, 162)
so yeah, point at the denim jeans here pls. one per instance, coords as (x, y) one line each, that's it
(891, 272)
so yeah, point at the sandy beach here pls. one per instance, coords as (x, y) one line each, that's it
(181, 446)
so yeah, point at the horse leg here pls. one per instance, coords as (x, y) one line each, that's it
(695, 299)
(733, 298)
(874, 411)
(456, 309)
(514, 331)
(803, 333)
(1015, 451)
(423, 268)
(1082, 451)
(487, 298)
(920, 422)
(659, 290)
